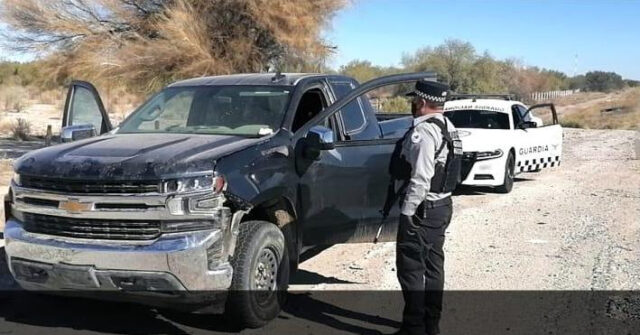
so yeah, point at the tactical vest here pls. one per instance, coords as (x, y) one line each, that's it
(446, 175)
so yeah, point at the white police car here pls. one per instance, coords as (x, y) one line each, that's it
(501, 138)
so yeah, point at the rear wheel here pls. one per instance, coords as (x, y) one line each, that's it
(509, 175)
(260, 275)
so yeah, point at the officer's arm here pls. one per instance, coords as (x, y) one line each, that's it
(421, 154)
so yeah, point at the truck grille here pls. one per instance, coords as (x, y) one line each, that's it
(90, 228)
(85, 186)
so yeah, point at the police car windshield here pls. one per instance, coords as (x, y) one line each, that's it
(475, 118)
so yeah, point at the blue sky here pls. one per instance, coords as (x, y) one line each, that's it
(604, 34)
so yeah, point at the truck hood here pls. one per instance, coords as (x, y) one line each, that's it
(474, 139)
(131, 156)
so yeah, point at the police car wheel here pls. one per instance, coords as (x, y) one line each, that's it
(260, 275)
(509, 175)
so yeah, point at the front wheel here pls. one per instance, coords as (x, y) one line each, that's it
(509, 175)
(260, 275)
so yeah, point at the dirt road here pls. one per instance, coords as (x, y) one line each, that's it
(566, 232)
(576, 227)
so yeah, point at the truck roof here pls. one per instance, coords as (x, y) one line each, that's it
(262, 79)
(498, 105)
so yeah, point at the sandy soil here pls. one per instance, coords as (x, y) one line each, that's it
(576, 227)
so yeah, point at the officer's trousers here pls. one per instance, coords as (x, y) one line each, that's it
(420, 264)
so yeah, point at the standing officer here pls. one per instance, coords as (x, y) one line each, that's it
(429, 160)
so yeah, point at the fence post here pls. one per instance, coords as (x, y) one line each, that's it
(47, 138)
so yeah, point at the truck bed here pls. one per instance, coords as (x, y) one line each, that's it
(393, 125)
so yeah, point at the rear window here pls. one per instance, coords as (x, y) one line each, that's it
(475, 118)
(352, 114)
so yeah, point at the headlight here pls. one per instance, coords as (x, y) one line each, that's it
(16, 178)
(484, 155)
(214, 182)
(195, 195)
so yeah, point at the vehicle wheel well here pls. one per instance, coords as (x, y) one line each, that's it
(279, 211)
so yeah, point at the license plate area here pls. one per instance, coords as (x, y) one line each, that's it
(76, 276)
(60, 276)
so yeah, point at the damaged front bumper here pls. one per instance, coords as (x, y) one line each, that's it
(172, 265)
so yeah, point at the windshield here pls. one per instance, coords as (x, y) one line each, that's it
(474, 118)
(232, 110)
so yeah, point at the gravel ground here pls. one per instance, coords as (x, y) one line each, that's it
(575, 227)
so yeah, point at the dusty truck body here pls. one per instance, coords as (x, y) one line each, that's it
(206, 194)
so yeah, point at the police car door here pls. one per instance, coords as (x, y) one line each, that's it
(540, 134)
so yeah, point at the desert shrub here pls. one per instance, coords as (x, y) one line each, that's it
(51, 97)
(395, 105)
(5, 127)
(12, 98)
(21, 130)
(571, 123)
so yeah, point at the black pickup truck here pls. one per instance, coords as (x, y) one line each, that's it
(207, 193)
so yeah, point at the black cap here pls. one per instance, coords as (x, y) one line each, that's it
(431, 91)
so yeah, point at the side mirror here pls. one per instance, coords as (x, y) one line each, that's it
(77, 132)
(318, 138)
(527, 124)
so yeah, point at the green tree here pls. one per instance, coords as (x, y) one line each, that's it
(453, 61)
(603, 81)
(395, 105)
(487, 76)
(361, 70)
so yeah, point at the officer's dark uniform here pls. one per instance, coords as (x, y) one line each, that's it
(424, 220)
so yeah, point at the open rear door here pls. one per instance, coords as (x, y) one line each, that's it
(542, 145)
(83, 108)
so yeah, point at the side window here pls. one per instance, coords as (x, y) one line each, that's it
(85, 109)
(515, 113)
(523, 112)
(311, 103)
(352, 115)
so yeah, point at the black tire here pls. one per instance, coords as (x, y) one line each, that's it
(509, 175)
(260, 275)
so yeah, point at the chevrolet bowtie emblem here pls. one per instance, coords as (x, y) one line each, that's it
(74, 206)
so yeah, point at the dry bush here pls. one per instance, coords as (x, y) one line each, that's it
(5, 127)
(589, 115)
(21, 130)
(578, 98)
(147, 43)
(119, 102)
(13, 98)
(51, 97)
